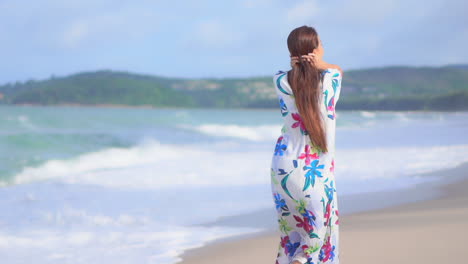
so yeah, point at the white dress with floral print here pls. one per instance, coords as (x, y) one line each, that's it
(303, 181)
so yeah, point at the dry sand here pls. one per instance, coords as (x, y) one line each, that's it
(429, 231)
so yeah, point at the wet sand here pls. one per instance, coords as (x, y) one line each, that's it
(433, 230)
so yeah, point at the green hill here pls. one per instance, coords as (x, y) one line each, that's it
(386, 88)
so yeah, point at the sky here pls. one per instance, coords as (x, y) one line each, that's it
(221, 39)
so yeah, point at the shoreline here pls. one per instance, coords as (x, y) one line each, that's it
(219, 108)
(436, 208)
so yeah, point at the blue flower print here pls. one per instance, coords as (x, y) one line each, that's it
(284, 108)
(280, 203)
(291, 248)
(314, 170)
(329, 191)
(309, 215)
(280, 147)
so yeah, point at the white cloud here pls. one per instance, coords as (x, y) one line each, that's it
(75, 33)
(222, 37)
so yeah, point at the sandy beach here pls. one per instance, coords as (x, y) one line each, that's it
(433, 230)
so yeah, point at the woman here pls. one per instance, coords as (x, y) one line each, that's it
(302, 166)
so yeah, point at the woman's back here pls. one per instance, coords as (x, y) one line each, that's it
(293, 132)
(302, 178)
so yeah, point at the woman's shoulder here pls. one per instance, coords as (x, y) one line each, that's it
(281, 76)
(281, 82)
(332, 71)
(279, 72)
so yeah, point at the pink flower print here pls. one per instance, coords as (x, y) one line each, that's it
(328, 213)
(299, 123)
(289, 247)
(307, 156)
(331, 105)
(337, 220)
(332, 168)
(327, 251)
(304, 223)
(284, 241)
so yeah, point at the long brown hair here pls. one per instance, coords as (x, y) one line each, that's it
(304, 79)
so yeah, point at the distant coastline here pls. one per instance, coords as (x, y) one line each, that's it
(234, 108)
(89, 105)
(416, 88)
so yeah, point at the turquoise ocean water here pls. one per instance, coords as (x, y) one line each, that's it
(121, 185)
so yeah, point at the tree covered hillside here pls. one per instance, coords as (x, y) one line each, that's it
(387, 88)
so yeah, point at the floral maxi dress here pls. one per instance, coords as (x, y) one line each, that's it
(302, 179)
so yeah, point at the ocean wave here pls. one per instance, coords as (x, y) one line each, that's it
(151, 164)
(394, 162)
(154, 165)
(22, 121)
(251, 133)
(367, 114)
(143, 244)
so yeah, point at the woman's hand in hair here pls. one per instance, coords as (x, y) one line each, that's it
(319, 63)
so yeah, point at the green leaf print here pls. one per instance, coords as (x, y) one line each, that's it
(323, 205)
(301, 205)
(315, 149)
(307, 183)
(311, 250)
(326, 99)
(283, 185)
(313, 235)
(273, 176)
(285, 180)
(284, 129)
(284, 227)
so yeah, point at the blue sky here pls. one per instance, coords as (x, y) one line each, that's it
(225, 38)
